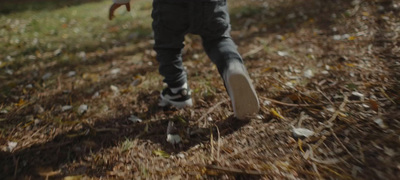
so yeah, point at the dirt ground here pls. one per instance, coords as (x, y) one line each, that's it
(327, 67)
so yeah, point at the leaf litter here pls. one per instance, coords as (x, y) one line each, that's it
(349, 50)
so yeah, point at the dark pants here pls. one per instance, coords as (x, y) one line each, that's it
(172, 21)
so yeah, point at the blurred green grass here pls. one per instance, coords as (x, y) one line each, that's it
(64, 31)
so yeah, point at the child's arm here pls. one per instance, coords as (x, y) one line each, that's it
(116, 5)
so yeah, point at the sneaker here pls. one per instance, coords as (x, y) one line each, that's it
(241, 91)
(180, 99)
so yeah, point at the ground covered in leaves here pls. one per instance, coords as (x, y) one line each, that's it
(78, 94)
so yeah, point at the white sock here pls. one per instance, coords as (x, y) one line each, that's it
(175, 90)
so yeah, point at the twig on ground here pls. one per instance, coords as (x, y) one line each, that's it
(334, 116)
(344, 147)
(342, 176)
(308, 105)
(325, 96)
(252, 52)
(361, 151)
(341, 107)
(211, 110)
(291, 105)
(219, 143)
(387, 96)
(316, 170)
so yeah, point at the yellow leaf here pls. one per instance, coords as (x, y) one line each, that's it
(73, 178)
(276, 114)
(21, 103)
(2, 64)
(266, 69)
(91, 77)
(161, 153)
(365, 13)
(351, 38)
(300, 143)
(342, 115)
(211, 172)
(125, 90)
(181, 120)
(350, 65)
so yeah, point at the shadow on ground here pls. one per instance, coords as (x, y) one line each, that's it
(105, 133)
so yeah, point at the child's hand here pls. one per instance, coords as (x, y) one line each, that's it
(116, 6)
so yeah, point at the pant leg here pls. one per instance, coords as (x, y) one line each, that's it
(215, 33)
(170, 24)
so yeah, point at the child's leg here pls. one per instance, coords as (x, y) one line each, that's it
(221, 49)
(170, 25)
(215, 34)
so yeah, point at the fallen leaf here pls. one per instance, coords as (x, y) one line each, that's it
(365, 13)
(66, 108)
(114, 89)
(47, 76)
(29, 86)
(276, 114)
(283, 53)
(3, 111)
(351, 38)
(380, 123)
(73, 178)
(2, 64)
(134, 119)
(115, 71)
(308, 73)
(337, 37)
(57, 52)
(38, 109)
(350, 65)
(302, 132)
(389, 152)
(47, 172)
(20, 103)
(374, 105)
(181, 120)
(91, 77)
(82, 109)
(11, 145)
(137, 80)
(174, 138)
(161, 153)
(71, 73)
(178, 177)
(9, 71)
(266, 69)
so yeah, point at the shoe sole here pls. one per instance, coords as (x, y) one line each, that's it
(243, 96)
(165, 102)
